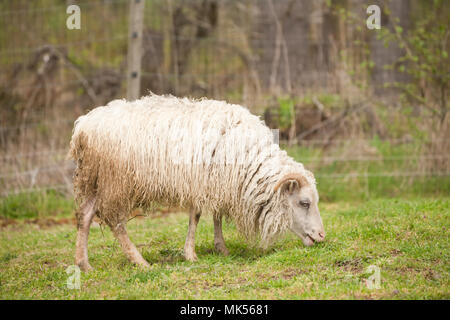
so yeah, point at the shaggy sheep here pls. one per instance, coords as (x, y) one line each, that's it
(206, 155)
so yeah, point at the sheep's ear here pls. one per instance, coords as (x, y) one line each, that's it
(286, 182)
(290, 186)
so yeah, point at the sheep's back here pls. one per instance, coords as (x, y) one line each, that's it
(167, 149)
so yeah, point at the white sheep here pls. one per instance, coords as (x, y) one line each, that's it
(206, 155)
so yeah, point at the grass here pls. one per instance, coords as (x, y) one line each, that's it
(397, 224)
(36, 205)
(408, 240)
(389, 171)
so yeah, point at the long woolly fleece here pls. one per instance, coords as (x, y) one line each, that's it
(205, 154)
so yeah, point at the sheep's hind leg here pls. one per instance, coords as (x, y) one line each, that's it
(130, 250)
(219, 242)
(189, 246)
(84, 217)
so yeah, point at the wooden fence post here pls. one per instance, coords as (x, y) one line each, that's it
(135, 35)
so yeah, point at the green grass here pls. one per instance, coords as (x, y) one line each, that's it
(407, 239)
(388, 171)
(36, 205)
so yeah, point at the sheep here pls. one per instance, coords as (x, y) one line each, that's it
(205, 155)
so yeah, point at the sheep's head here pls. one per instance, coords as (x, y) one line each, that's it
(301, 199)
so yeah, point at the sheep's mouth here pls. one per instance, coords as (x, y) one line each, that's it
(308, 240)
(311, 238)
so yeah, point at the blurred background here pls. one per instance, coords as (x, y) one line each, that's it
(365, 109)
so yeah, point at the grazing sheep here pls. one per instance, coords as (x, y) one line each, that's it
(206, 155)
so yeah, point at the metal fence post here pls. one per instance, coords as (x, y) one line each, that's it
(135, 35)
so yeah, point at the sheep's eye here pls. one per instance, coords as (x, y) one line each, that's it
(304, 204)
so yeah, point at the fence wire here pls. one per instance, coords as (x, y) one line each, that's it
(51, 75)
(55, 167)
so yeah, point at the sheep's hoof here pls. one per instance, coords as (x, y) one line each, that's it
(139, 261)
(191, 256)
(143, 265)
(85, 266)
(222, 249)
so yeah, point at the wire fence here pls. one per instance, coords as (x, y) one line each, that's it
(50, 169)
(229, 50)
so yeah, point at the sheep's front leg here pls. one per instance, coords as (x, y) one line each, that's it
(219, 242)
(189, 246)
(120, 232)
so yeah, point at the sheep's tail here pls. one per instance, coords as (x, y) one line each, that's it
(77, 142)
(85, 178)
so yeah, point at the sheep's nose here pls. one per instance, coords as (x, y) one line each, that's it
(321, 235)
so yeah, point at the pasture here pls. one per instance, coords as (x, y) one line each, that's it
(363, 106)
(408, 240)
